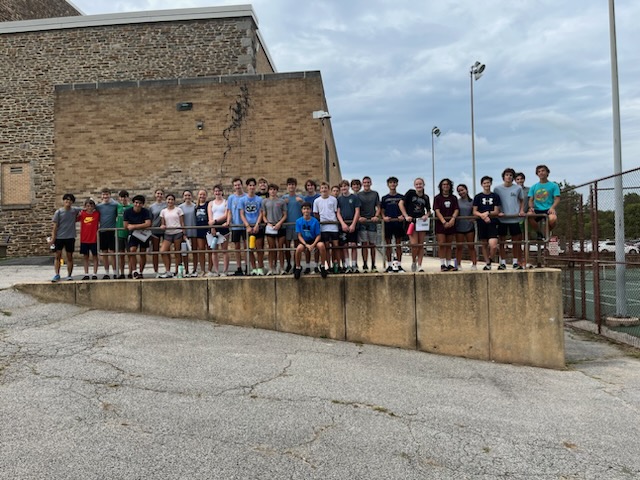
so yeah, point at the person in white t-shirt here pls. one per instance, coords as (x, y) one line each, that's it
(172, 223)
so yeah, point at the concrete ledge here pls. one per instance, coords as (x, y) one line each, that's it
(246, 301)
(453, 314)
(507, 317)
(61, 292)
(174, 298)
(380, 310)
(123, 295)
(526, 322)
(311, 307)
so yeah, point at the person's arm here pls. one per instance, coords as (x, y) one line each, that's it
(343, 224)
(354, 222)
(403, 210)
(163, 224)
(54, 231)
(315, 242)
(283, 219)
(556, 202)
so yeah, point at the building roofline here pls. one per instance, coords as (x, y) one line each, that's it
(127, 18)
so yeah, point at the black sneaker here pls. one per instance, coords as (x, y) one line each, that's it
(86, 277)
(288, 268)
(400, 269)
(239, 273)
(94, 277)
(297, 272)
(518, 267)
(443, 268)
(316, 270)
(130, 275)
(307, 271)
(121, 276)
(502, 266)
(365, 268)
(323, 272)
(452, 268)
(487, 267)
(389, 269)
(106, 277)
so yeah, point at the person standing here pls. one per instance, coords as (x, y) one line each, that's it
(217, 213)
(156, 232)
(63, 234)
(172, 222)
(89, 219)
(250, 207)
(274, 213)
(486, 206)
(394, 228)
(369, 218)
(465, 228)
(294, 212)
(191, 234)
(238, 237)
(108, 210)
(348, 215)
(121, 245)
(137, 221)
(446, 209)
(201, 212)
(416, 206)
(512, 210)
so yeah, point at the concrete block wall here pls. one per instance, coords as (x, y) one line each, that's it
(507, 317)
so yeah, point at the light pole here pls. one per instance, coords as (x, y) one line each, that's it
(434, 131)
(475, 72)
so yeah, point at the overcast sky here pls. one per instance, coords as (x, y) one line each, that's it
(394, 69)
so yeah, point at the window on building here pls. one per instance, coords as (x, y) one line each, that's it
(16, 184)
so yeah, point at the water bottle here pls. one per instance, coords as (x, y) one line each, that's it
(180, 271)
(52, 246)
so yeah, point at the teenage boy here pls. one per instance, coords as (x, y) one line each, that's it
(544, 197)
(348, 215)
(63, 234)
(234, 219)
(308, 230)
(325, 209)
(89, 219)
(125, 204)
(369, 218)
(512, 206)
(263, 188)
(520, 179)
(356, 186)
(250, 213)
(274, 213)
(294, 212)
(108, 209)
(394, 231)
(486, 206)
(137, 221)
(311, 189)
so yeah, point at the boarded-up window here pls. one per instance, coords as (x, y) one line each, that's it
(16, 184)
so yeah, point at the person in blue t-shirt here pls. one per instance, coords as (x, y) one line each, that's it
(250, 207)
(544, 197)
(308, 230)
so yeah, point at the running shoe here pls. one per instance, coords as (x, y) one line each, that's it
(323, 272)
(121, 277)
(502, 266)
(414, 267)
(288, 268)
(443, 268)
(374, 269)
(69, 278)
(365, 268)
(94, 277)
(167, 275)
(400, 269)
(86, 277)
(519, 267)
(420, 270)
(487, 267)
(474, 267)
(389, 269)
(106, 277)
(307, 271)
(136, 275)
(452, 268)
(56, 278)
(297, 272)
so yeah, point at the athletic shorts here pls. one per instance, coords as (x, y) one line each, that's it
(122, 244)
(545, 212)
(511, 229)
(369, 236)
(238, 235)
(395, 230)
(172, 237)
(444, 231)
(281, 233)
(67, 243)
(220, 230)
(201, 232)
(86, 248)
(348, 237)
(107, 241)
(134, 241)
(329, 236)
(291, 234)
(260, 233)
(487, 230)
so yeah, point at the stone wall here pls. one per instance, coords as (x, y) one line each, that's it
(14, 10)
(132, 136)
(34, 62)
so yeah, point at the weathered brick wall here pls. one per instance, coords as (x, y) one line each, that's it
(14, 10)
(133, 137)
(33, 62)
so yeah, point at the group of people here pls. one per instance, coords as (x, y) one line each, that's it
(327, 225)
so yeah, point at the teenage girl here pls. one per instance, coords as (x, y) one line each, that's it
(157, 233)
(217, 214)
(202, 220)
(465, 228)
(172, 224)
(416, 205)
(445, 206)
(189, 210)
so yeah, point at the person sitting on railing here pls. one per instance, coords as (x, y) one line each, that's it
(308, 230)
(544, 197)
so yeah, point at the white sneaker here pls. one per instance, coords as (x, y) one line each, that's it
(414, 267)
(474, 267)
(223, 274)
(420, 270)
(166, 275)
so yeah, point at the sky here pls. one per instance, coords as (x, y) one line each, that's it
(394, 69)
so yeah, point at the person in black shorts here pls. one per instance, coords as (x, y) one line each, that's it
(486, 206)
(137, 221)
(394, 226)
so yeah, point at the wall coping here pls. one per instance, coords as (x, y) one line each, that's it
(185, 81)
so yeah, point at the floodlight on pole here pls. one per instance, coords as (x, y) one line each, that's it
(434, 131)
(475, 72)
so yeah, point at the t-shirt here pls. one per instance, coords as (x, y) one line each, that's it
(120, 219)
(251, 207)
(369, 201)
(132, 217)
(347, 205)
(66, 220)
(294, 209)
(465, 206)
(543, 195)
(89, 223)
(510, 198)
(311, 198)
(201, 214)
(486, 202)
(172, 219)
(326, 209)
(390, 206)
(233, 205)
(446, 205)
(108, 213)
(274, 209)
(189, 218)
(309, 229)
(416, 205)
(155, 210)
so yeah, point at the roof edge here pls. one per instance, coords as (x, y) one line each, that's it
(124, 18)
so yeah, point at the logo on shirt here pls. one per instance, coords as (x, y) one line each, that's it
(487, 201)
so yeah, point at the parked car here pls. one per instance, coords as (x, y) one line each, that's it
(609, 246)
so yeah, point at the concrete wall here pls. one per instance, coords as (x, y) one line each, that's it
(507, 317)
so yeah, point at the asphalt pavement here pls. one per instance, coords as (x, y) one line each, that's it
(90, 394)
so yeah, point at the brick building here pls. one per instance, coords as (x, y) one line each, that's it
(173, 99)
